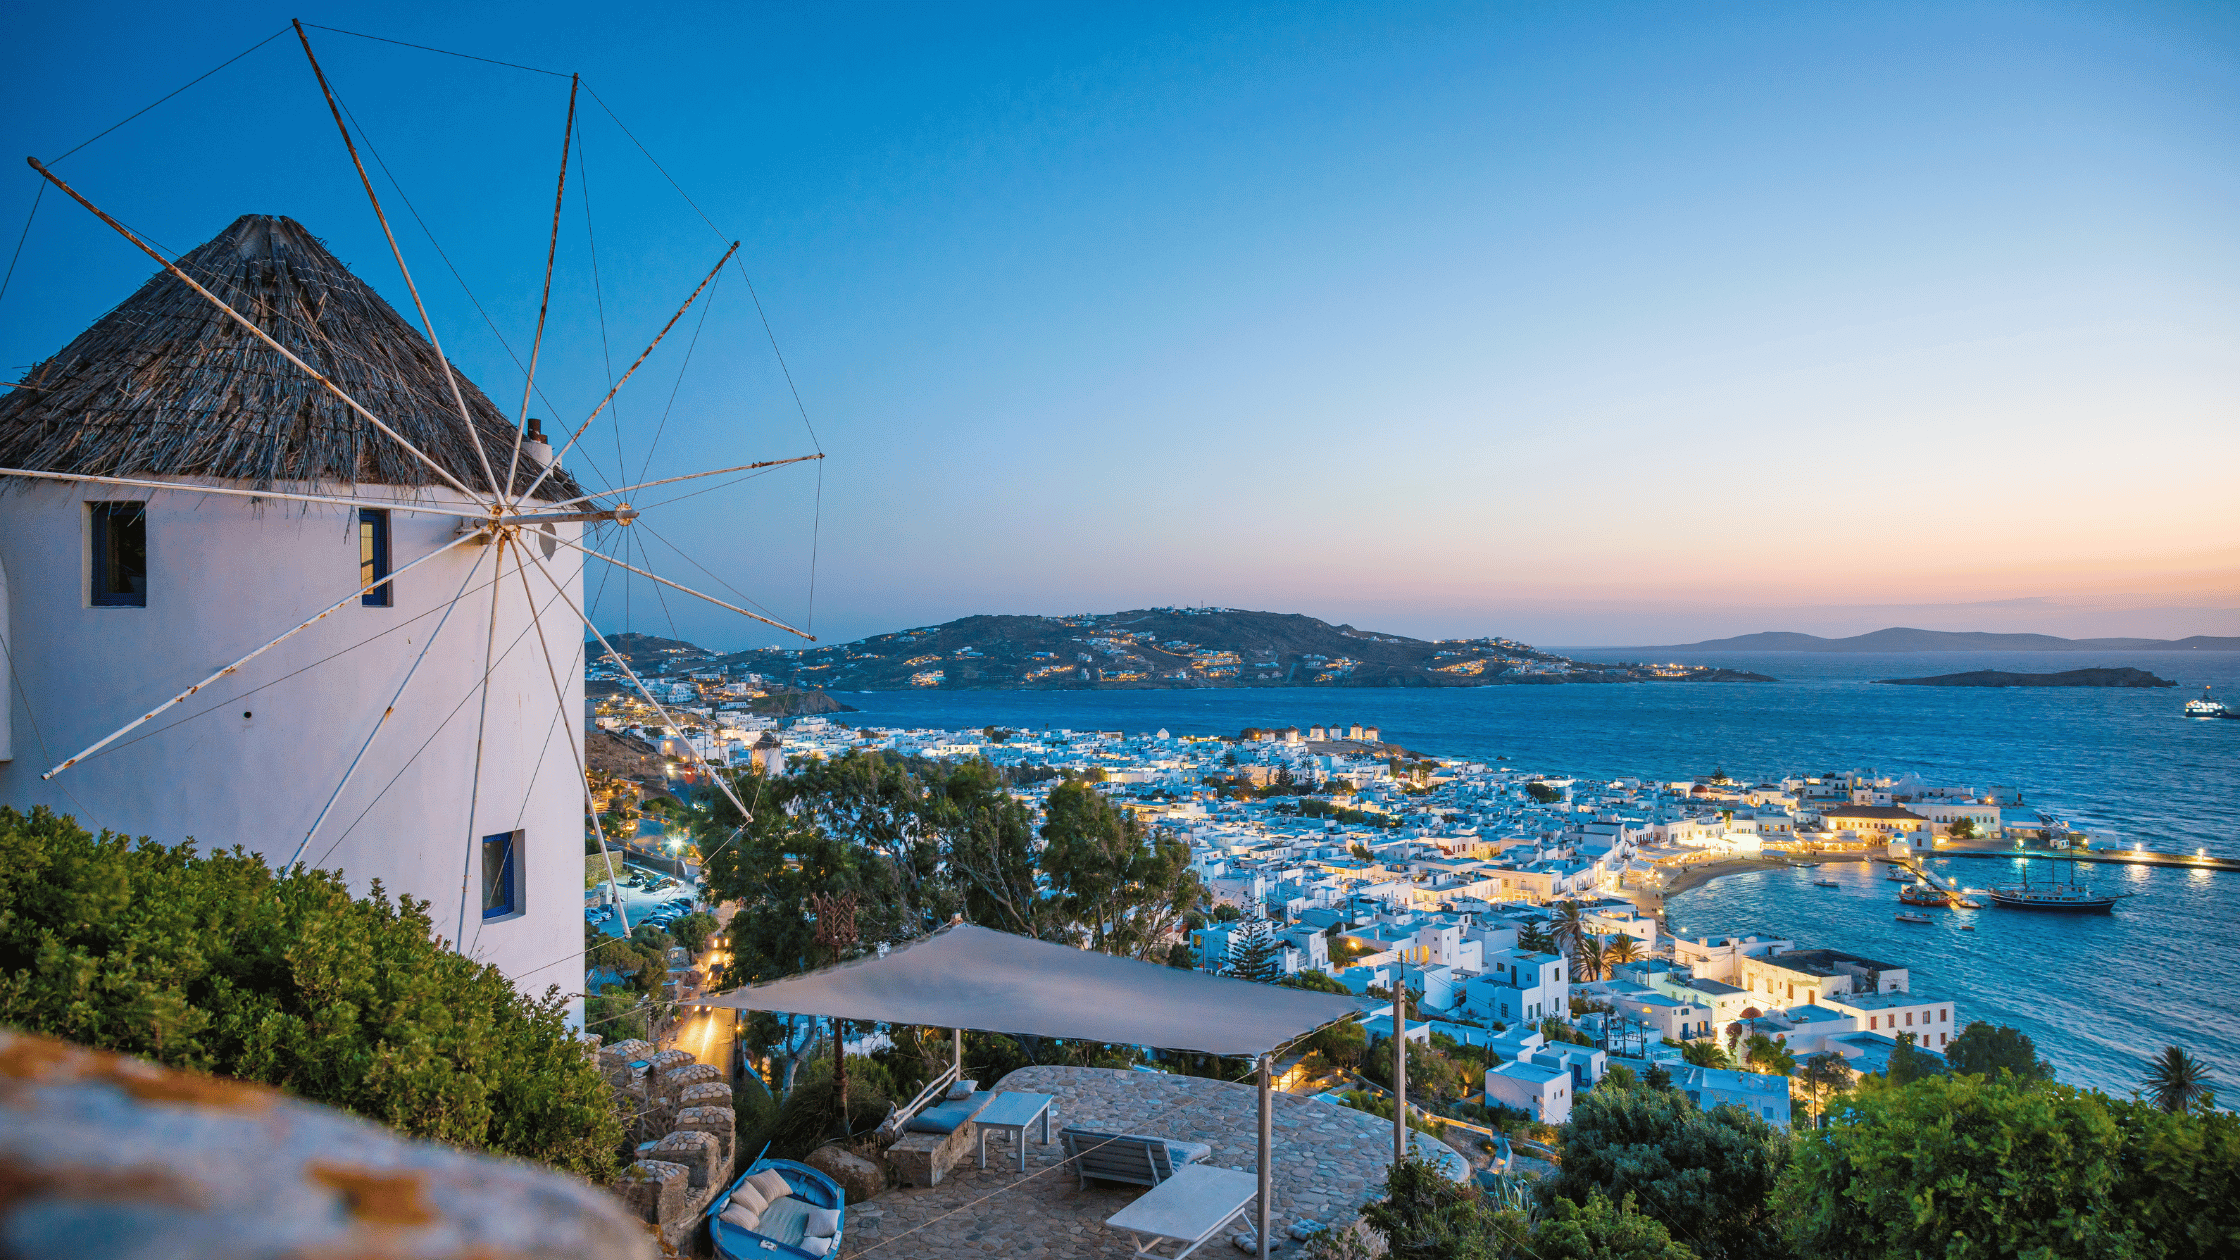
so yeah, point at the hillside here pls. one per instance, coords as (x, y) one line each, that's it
(2067, 678)
(1150, 648)
(1903, 639)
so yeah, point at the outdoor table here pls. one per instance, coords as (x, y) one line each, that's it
(1014, 1112)
(1189, 1207)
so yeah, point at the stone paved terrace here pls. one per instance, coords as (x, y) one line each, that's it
(1329, 1161)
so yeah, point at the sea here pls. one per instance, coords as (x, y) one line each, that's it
(2099, 994)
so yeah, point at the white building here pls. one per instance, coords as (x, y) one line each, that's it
(117, 597)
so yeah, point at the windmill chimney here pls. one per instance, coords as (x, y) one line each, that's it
(534, 444)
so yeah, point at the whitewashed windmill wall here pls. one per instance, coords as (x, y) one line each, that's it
(252, 759)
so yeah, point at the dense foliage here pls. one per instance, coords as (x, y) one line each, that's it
(1424, 1216)
(1968, 1166)
(1707, 1175)
(216, 963)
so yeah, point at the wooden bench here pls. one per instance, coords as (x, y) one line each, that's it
(1129, 1157)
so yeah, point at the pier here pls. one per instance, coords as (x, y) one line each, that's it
(2120, 858)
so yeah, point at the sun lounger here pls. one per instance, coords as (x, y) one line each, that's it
(1129, 1157)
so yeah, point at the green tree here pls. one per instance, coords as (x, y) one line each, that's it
(1122, 890)
(2176, 1081)
(1546, 794)
(1764, 1054)
(1908, 1064)
(693, 930)
(1961, 1168)
(1424, 1216)
(1822, 1077)
(1984, 1049)
(1705, 1174)
(1962, 829)
(1534, 937)
(1601, 1230)
(2182, 1179)
(217, 963)
(1253, 952)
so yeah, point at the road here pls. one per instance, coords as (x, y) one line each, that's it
(705, 1033)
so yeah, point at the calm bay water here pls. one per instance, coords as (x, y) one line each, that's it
(2099, 994)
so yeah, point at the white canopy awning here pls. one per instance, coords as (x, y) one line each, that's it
(973, 977)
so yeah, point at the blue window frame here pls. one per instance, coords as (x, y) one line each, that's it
(373, 555)
(120, 555)
(501, 875)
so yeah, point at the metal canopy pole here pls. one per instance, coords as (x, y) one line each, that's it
(1400, 1063)
(956, 1052)
(1267, 1151)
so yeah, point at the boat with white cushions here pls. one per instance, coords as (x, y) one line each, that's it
(802, 1212)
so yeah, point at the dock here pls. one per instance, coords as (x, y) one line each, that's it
(2180, 860)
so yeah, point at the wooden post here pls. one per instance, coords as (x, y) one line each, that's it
(1266, 1214)
(1399, 1063)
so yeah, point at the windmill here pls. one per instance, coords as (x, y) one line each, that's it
(257, 508)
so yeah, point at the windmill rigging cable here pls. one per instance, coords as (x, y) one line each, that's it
(646, 469)
(510, 65)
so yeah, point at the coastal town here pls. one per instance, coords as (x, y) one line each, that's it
(1522, 911)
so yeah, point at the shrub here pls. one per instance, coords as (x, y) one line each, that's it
(216, 963)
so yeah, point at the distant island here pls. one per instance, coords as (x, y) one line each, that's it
(2067, 678)
(1148, 649)
(1903, 639)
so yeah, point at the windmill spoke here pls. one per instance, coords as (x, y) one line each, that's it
(401, 505)
(688, 590)
(451, 377)
(722, 784)
(481, 727)
(383, 720)
(551, 252)
(301, 626)
(713, 472)
(555, 461)
(259, 333)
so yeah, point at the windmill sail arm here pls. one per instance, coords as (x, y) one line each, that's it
(395, 505)
(689, 591)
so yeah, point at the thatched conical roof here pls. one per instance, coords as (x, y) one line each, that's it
(169, 384)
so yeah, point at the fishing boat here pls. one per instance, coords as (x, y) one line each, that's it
(2208, 706)
(1908, 916)
(781, 1227)
(2055, 894)
(1898, 875)
(1924, 895)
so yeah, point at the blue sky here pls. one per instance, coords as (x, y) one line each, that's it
(1581, 323)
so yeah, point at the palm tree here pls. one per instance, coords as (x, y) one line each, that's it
(1587, 958)
(1569, 925)
(1707, 1053)
(1621, 951)
(2177, 1082)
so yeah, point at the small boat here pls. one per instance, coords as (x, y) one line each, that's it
(784, 1218)
(1825, 883)
(1967, 927)
(2206, 707)
(1907, 916)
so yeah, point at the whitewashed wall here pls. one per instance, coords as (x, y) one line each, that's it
(251, 760)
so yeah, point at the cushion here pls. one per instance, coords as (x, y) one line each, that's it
(816, 1246)
(821, 1223)
(770, 1184)
(961, 1090)
(1187, 1152)
(942, 1119)
(746, 1196)
(740, 1217)
(783, 1220)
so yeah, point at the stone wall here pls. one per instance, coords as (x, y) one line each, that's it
(681, 1116)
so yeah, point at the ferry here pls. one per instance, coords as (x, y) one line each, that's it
(2055, 895)
(2208, 707)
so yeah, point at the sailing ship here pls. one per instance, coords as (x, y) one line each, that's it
(2055, 894)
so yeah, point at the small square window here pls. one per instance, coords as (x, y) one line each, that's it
(501, 875)
(120, 555)
(373, 556)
